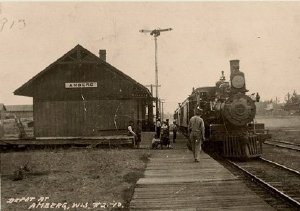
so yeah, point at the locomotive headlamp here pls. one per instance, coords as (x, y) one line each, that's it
(238, 81)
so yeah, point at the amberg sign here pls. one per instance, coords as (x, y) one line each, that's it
(81, 85)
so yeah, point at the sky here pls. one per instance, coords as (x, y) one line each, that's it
(264, 36)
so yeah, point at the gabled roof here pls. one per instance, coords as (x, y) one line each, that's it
(13, 108)
(81, 55)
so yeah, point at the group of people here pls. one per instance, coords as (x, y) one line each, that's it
(162, 135)
(196, 130)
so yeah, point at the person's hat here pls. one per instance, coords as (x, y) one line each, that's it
(198, 110)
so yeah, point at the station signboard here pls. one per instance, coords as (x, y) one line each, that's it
(81, 85)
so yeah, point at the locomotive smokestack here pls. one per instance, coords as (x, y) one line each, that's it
(234, 66)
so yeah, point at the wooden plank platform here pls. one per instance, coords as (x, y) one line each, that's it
(94, 140)
(173, 181)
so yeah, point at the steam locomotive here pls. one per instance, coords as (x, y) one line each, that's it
(228, 114)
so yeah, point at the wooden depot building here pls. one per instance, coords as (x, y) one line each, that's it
(81, 95)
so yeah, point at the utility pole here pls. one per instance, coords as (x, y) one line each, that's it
(162, 101)
(155, 33)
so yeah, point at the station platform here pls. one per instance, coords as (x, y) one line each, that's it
(173, 181)
(93, 140)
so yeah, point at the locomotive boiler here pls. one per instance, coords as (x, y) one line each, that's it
(228, 114)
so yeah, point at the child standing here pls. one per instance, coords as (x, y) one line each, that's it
(155, 142)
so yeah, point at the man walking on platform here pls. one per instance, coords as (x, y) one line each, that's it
(197, 133)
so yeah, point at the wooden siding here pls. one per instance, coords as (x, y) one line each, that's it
(71, 112)
(82, 118)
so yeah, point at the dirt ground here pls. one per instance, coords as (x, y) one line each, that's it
(284, 157)
(292, 122)
(68, 176)
(283, 129)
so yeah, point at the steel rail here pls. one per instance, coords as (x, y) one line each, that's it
(286, 142)
(278, 145)
(281, 166)
(286, 197)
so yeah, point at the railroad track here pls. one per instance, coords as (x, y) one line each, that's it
(284, 144)
(280, 180)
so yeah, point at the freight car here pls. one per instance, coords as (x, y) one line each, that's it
(228, 114)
